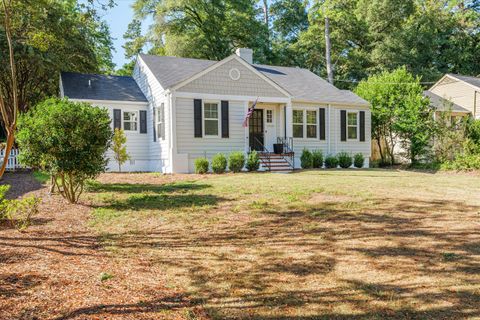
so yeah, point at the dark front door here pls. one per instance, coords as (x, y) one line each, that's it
(255, 125)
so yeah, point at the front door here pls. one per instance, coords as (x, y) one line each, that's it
(270, 128)
(255, 131)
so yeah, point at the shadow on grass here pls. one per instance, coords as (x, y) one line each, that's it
(94, 186)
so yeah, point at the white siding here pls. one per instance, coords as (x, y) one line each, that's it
(332, 144)
(458, 92)
(207, 146)
(158, 151)
(137, 144)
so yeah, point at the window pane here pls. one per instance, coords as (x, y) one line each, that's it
(298, 131)
(311, 131)
(352, 119)
(352, 132)
(126, 126)
(297, 116)
(211, 127)
(269, 116)
(312, 117)
(211, 110)
(127, 116)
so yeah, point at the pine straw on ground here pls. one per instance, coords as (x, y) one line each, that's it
(53, 270)
(336, 244)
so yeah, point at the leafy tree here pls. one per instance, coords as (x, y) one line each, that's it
(49, 37)
(119, 149)
(200, 28)
(67, 138)
(399, 112)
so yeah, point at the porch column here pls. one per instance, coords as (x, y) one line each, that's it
(245, 107)
(288, 120)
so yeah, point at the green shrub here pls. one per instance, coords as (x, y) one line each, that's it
(219, 163)
(344, 160)
(358, 160)
(253, 161)
(306, 159)
(317, 159)
(236, 161)
(67, 138)
(331, 162)
(463, 162)
(201, 165)
(18, 212)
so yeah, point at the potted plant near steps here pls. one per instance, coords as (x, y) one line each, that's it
(278, 148)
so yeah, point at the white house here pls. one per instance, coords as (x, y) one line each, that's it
(174, 110)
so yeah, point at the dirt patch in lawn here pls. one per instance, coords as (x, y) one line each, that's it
(58, 269)
(320, 198)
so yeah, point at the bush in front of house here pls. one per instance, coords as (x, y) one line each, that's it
(306, 159)
(344, 160)
(317, 159)
(331, 162)
(201, 165)
(67, 138)
(236, 161)
(253, 161)
(358, 160)
(219, 163)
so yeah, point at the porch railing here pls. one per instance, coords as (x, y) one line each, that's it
(12, 162)
(288, 153)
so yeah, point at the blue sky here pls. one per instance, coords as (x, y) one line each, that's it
(118, 19)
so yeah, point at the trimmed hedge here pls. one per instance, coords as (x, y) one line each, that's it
(317, 159)
(201, 165)
(358, 160)
(306, 159)
(236, 161)
(331, 162)
(219, 163)
(253, 161)
(344, 160)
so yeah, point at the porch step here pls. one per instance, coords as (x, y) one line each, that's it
(275, 163)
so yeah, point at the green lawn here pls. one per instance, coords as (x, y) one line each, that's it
(314, 244)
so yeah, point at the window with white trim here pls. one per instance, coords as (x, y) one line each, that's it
(130, 120)
(352, 125)
(210, 118)
(312, 125)
(269, 116)
(297, 122)
(160, 122)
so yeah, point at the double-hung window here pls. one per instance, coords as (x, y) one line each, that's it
(210, 118)
(160, 122)
(312, 123)
(352, 125)
(130, 120)
(297, 117)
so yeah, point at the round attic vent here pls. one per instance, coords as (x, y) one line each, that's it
(234, 74)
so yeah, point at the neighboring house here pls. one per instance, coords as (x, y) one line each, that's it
(456, 93)
(174, 110)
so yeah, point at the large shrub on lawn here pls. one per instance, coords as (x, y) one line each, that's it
(236, 161)
(69, 139)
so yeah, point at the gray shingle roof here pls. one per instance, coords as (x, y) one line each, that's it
(102, 87)
(301, 83)
(170, 71)
(306, 86)
(442, 104)
(474, 81)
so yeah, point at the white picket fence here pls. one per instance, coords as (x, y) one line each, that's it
(12, 163)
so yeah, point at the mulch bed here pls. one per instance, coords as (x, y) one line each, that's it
(53, 269)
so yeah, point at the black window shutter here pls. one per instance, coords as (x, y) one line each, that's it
(362, 125)
(321, 116)
(143, 121)
(154, 129)
(197, 116)
(225, 123)
(343, 125)
(117, 119)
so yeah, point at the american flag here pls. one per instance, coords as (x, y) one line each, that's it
(249, 113)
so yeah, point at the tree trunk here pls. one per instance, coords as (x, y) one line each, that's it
(328, 49)
(265, 12)
(380, 150)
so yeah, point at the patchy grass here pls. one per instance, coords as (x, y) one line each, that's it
(308, 245)
(41, 176)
